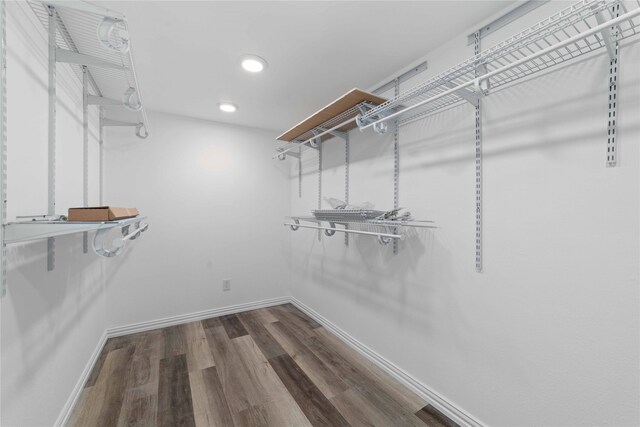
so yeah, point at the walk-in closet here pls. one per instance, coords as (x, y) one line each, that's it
(320, 213)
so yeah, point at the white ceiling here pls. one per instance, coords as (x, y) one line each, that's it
(187, 52)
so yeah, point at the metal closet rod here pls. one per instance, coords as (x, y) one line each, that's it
(476, 82)
(343, 230)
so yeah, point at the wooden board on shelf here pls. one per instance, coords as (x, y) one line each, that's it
(337, 107)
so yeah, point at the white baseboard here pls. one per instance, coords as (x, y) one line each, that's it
(192, 317)
(77, 390)
(439, 402)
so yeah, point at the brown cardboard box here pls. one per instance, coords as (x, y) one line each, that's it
(101, 213)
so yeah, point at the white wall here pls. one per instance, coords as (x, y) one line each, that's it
(215, 204)
(548, 334)
(51, 321)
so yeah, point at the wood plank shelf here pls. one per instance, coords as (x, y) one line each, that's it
(342, 109)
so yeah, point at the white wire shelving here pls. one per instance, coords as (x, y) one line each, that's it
(385, 230)
(583, 28)
(24, 231)
(111, 72)
(335, 119)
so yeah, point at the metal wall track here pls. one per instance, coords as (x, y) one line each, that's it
(3, 146)
(478, 160)
(346, 181)
(51, 203)
(319, 148)
(612, 154)
(396, 163)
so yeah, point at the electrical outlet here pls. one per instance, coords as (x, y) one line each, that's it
(226, 284)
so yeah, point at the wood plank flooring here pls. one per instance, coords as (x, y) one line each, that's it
(269, 367)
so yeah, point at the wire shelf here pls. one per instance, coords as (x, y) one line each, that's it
(578, 30)
(77, 31)
(23, 231)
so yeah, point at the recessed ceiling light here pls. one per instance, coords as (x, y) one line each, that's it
(227, 107)
(253, 63)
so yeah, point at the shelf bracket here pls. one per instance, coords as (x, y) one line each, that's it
(100, 100)
(378, 127)
(337, 133)
(283, 155)
(610, 35)
(470, 96)
(67, 56)
(110, 122)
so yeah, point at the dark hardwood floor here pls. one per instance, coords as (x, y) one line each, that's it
(269, 367)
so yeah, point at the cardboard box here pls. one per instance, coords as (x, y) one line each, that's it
(101, 213)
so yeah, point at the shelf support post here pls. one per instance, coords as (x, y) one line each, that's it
(396, 164)
(3, 148)
(478, 159)
(611, 42)
(85, 150)
(319, 183)
(299, 172)
(101, 155)
(346, 182)
(51, 203)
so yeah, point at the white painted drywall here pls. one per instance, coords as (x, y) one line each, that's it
(548, 334)
(215, 204)
(51, 321)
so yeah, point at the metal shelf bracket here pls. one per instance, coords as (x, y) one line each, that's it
(67, 56)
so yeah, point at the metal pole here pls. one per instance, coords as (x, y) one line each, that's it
(612, 154)
(51, 205)
(3, 147)
(101, 156)
(478, 136)
(396, 164)
(346, 181)
(85, 150)
(344, 230)
(319, 182)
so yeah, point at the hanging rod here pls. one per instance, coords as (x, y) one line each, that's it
(295, 226)
(100, 239)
